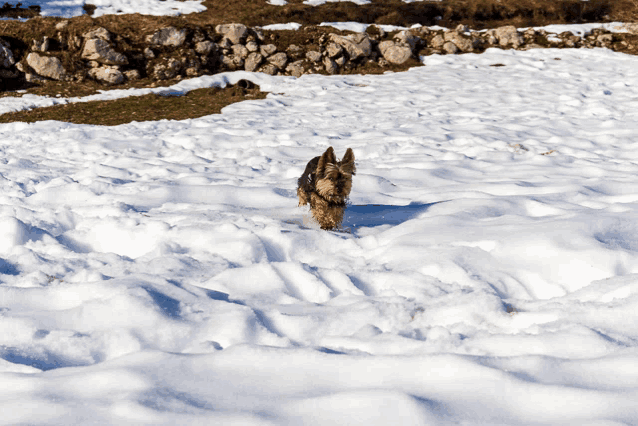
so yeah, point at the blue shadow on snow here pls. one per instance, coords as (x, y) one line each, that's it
(371, 215)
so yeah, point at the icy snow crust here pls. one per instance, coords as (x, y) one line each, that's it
(161, 273)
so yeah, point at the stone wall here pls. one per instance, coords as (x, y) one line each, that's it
(171, 53)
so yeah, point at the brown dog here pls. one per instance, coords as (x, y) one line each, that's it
(326, 184)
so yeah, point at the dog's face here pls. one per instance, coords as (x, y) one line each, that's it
(334, 178)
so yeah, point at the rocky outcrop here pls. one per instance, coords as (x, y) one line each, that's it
(172, 53)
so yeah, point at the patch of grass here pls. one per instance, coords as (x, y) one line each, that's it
(196, 103)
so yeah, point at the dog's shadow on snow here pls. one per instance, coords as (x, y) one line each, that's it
(371, 215)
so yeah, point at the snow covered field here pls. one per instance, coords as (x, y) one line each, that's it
(161, 273)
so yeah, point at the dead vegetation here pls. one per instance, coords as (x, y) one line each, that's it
(152, 107)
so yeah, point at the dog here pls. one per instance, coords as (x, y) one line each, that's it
(326, 184)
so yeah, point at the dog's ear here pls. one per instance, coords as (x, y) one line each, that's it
(328, 157)
(347, 164)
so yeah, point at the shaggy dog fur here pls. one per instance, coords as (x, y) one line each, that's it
(326, 184)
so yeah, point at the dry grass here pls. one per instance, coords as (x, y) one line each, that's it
(196, 103)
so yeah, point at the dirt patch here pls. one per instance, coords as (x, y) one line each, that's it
(153, 107)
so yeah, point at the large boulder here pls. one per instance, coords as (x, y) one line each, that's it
(100, 32)
(357, 45)
(235, 33)
(279, 60)
(46, 66)
(97, 49)
(169, 36)
(395, 53)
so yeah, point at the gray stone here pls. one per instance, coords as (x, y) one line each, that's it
(252, 46)
(100, 32)
(148, 53)
(395, 53)
(61, 25)
(168, 70)
(437, 41)
(232, 62)
(296, 68)
(508, 35)
(132, 75)
(240, 50)
(357, 45)
(236, 33)
(294, 52)
(330, 65)
(333, 50)
(278, 59)
(169, 36)
(253, 61)
(97, 49)
(449, 47)
(269, 69)
(41, 45)
(341, 61)
(46, 66)
(313, 56)
(463, 43)
(267, 50)
(107, 75)
(204, 47)
(6, 55)
(406, 38)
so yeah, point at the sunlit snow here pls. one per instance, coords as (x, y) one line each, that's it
(161, 273)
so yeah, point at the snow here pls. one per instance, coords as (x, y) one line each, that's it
(161, 272)
(71, 8)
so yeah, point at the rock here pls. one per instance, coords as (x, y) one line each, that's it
(508, 35)
(232, 62)
(357, 45)
(313, 56)
(464, 44)
(253, 61)
(296, 68)
(437, 41)
(169, 36)
(132, 75)
(168, 70)
(267, 50)
(192, 71)
(97, 49)
(341, 61)
(449, 47)
(330, 65)
(460, 29)
(236, 33)
(93, 64)
(148, 53)
(278, 59)
(6, 55)
(204, 47)
(107, 75)
(605, 38)
(395, 53)
(34, 78)
(46, 66)
(404, 37)
(240, 51)
(333, 50)
(41, 46)
(100, 33)
(252, 46)
(269, 69)
(294, 52)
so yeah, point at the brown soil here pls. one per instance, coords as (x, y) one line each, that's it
(195, 103)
